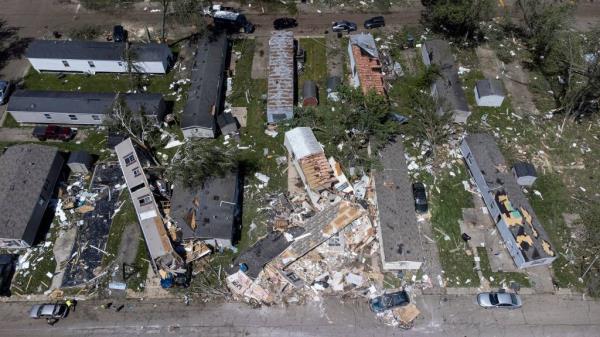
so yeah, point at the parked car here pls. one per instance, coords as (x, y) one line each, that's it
(499, 300)
(420, 197)
(119, 34)
(284, 23)
(341, 26)
(389, 301)
(49, 311)
(5, 90)
(232, 22)
(375, 22)
(45, 132)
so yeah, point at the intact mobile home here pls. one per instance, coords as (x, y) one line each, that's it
(97, 57)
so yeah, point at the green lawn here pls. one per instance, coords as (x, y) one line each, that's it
(446, 211)
(125, 217)
(500, 278)
(10, 122)
(141, 265)
(315, 67)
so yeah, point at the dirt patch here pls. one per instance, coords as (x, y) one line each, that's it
(260, 61)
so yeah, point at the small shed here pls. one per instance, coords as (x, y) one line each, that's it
(524, 173)
(333, 84)
(489, 92)
(227, 123)
(309, 94)
(80, 162)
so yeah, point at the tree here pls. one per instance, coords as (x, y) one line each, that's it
(135, 124)
(198, 160)
(458, 19)
(133, 69)
(543, 24)
(430, 120)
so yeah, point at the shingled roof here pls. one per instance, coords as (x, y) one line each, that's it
(25, 171)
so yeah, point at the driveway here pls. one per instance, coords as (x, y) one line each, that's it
(24, 134)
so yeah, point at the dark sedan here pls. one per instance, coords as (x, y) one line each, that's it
(420, 197)
(375, 22)
(284, 23)
(389, 301)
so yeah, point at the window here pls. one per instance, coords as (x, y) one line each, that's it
(91, 64)
(73, 117)
(129, 159)
(120, 63)
(47, 116)
(96, 117)
(137, 187)
(145, 200)
(66, 64)
(137, 172)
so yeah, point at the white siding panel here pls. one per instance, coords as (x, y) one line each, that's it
(83, 66)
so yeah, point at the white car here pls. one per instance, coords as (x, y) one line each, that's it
(499, 300)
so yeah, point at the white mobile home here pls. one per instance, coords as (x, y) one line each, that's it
(78, 108)
(97, 57)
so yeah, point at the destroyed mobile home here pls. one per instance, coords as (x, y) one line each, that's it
(323, 240)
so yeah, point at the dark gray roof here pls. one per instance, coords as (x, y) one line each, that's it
(216, 206)
(523, 169)
(24, 170)
(309, 89)
(263, 251)
(80, 102)
(204, 95)
(397, 219)
(448, 85)
(94, 50)
(227, 123)
(80, 157)
(489, 87)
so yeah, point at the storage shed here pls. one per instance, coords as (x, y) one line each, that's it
(489, 92)
(524, 173)
(309, 94)
(80, 162)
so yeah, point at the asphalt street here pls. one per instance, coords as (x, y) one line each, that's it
(541, 315)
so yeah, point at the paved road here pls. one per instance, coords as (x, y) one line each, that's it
(442, 316)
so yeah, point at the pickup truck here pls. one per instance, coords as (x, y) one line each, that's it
(44, 132)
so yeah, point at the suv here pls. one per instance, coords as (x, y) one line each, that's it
(375, 22)
(340, 26)
(5, 89)
(420, 197)
(389, 301)
(44, 132)
(119, 34)
(284, 23)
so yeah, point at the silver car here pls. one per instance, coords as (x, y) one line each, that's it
(499, 300)
(49, 311)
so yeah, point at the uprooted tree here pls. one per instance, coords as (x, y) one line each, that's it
(198, 160)
(135, 124)
(430, 119)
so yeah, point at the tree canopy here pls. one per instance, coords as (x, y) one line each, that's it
(457, 19)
